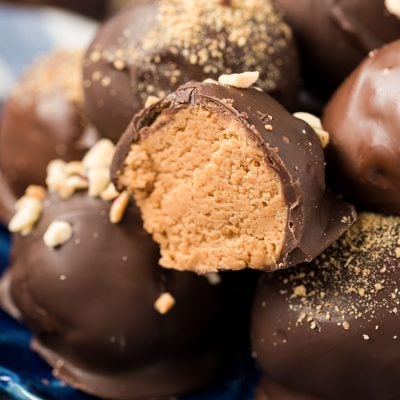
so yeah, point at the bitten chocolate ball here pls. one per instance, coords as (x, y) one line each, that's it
(152, 47)
(44, 119)
(335, 36)
(226, 178)
(104, 315)
(363, 120)
(331, 329)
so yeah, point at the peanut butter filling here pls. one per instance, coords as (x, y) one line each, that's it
(206, 193)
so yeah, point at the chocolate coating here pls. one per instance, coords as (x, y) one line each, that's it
(43, 119)
(90, 304)
(347, 31)
(330, 329)
(7, 201)
(153, 46)
(363, 121)
(315, 218)
(92, 8)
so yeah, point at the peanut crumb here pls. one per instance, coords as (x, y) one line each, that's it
(378, 286)
(36, 191)
(118, 207)
(299, 291)
(213, 278)
(109, 193)
(393, 6)
(57, 233)
(164, 303)
(151, 100)
(241, 81)
(29, 210)
(100, 155)
(316, 124)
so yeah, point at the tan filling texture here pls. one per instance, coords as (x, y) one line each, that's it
(206, 193)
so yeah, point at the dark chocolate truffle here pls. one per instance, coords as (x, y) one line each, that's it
(331, 330)
(335, 35)
(44, 119)
(7, 201)
(153, 46)
(226, 178)
(363, 119)
(95, 304)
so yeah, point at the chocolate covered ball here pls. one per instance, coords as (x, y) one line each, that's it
(331, 329)
(44, 119)
(226, 179)
(363, 120)
(7, 201)
(334, 36)
(104, 315)
(153, 46)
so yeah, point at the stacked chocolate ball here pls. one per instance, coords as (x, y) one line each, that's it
(126, 256)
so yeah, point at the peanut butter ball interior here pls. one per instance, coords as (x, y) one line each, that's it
(206, 192)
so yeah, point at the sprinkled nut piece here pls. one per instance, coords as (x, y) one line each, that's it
(241, 81)
(56, 175)
(118, 207)
(210, 80)
(100, 155)
(36, 191)
(57, 233)
(99, 179)
(393, 6)
(75, 168)
(315, 123)
(28, 212)
(66, 178)
(164, 303)
(77, 182)
(213, 278)
(151, 100)
(109, 193)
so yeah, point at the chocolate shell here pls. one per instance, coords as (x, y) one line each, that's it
(7, 201)
(330, 329)
(153, 46)
(334, 36)
(227, 178)
(91, 306)
(363, 120)
(43, 119)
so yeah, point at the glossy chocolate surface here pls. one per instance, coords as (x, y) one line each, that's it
(335, 35)
(363, 120)
(43, 119)
(330, 329)
(153, 46)
(90, 303)
(315, 218)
